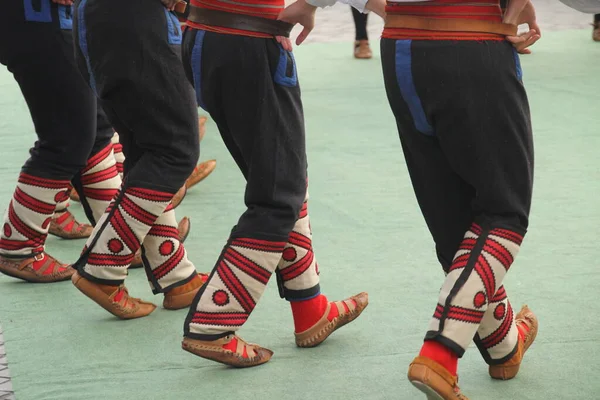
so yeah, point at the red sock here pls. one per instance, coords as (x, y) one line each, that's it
(307, 312)
(440, 354)
(233, 347)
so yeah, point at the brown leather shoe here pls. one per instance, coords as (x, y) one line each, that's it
(182, 296)
(434, 380)
(362, 50)
(184, 230)
(202, 126)
(64, 225)
(320, 331)
(215, 351)
(201, 171)
(42, 268)
(114, 299)
(509, 369)
(179, 196)
(74, 196)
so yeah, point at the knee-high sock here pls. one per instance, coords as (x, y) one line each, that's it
(99, 181)
(28, 216)
(497, 337)
(119, 156)
(297, 271)
(234, 287)
(164, 257)
(119, 234)
(479, 267)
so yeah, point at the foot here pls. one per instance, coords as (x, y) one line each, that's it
(434, 380)
(347, 311)
(182, 296)
(41, 268)
(362, 50)
(231, 350)
(179, 196)
(184, 230)
(201, 171)
(528, 324)
(114, 299)
(64, 225)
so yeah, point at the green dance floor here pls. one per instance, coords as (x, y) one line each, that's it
(369, 236)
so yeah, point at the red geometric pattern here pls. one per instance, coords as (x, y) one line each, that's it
(289, 254)
(299, 267)
(499, 311)
(110, 260)
(300, 240)
(124, 231)
(32, 203)
(37, 238)
(246, 265)
(508, 235)
(459, 314)
(499, 252)
(7, 230)
(137, 212)
(303, 210)
(235, 287)
(115, 245)
(166, 248)
(42, 182)
(149, 194)
(97, 158)
(486, 273)
(499, 296)
(259, 245)
(220, 298)
(61, 196)
(169, 265)
(480, 300)
(220, 319)
(499, 334)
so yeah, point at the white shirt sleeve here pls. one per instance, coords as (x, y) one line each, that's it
(358, 4)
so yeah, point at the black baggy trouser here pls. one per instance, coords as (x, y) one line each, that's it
(37, 48)
(131, 55)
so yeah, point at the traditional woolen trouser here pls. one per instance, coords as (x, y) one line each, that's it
(68, 123)
(463, 118)
(130, 53)
(250, 88)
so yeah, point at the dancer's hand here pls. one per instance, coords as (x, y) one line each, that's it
(286, 43)
(524, 40)
(528, 17)
(63, 2)
(300, 12)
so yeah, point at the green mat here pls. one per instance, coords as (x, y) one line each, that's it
(368, 229)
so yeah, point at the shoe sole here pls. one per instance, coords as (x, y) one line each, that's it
(429, 392)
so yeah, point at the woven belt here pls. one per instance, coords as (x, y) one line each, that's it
(449, 25)
(239, 21)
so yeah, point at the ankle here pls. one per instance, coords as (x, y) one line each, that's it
(306, 313)
(440, 354)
